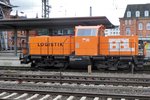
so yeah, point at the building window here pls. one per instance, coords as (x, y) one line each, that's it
(128, 13)
(130, 22)
(128, 32)
(140, 26)
(147, 34)
(126, 22)
(146, 13)
(140, 35)
(148, 26)
(137, 13)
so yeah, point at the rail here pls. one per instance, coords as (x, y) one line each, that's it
(77, 90)
(97, 80)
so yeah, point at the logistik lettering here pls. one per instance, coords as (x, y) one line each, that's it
(50, 44)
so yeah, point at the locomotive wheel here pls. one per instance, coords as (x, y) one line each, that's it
(65, 65)
(138, 68)
(123, 66)
(61, 65)
(135, 67)
(100, 65)
(101, 69)
(113, 66)
(34, 66)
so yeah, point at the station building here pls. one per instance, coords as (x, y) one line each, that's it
(7, 37)
(136, 20)
(20, 28)
(5, 10)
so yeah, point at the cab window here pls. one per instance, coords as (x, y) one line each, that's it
(86, 32)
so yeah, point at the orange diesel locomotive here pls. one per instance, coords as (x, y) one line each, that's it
(89, 43)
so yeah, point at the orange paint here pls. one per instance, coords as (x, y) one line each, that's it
(88, 41)
(103, 45)
(51, 45)
(86, 44)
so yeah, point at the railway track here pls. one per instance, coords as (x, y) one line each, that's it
(29, 91)
(70, 78)
(73, 86)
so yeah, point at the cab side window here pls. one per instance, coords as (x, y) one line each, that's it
(86, 32)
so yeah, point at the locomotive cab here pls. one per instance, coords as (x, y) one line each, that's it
(87, 40)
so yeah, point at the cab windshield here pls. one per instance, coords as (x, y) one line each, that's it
(86, 32)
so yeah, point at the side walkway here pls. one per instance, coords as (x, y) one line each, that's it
(9, 59)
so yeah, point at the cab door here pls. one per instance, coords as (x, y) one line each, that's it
(86, 41)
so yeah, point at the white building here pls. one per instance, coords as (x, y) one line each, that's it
(113, 31)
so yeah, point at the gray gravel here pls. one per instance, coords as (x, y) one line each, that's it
(74, 73)
(120, 90)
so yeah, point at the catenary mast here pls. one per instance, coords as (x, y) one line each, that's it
(45, 9)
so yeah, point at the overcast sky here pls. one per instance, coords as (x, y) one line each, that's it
(112, 9)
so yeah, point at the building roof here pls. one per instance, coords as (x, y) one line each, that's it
(137, 7)
(5, 3)
(53, 22)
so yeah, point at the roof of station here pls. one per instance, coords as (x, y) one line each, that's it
(33, 23)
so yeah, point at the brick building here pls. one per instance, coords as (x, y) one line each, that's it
(136, 20)
(21, 34)
(5, 10)
(7, 37)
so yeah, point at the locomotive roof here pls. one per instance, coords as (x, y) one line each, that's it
(54, 22)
